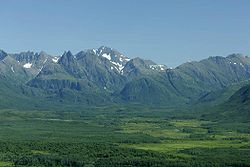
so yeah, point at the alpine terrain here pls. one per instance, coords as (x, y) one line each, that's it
(105, 76)
(101, 108)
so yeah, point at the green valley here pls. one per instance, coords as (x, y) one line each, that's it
(121, 136)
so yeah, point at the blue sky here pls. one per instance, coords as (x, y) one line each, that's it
(168, 32)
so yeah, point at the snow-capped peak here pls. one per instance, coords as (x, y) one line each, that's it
(116, 59)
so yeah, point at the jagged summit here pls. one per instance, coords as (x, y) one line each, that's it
(105, 75)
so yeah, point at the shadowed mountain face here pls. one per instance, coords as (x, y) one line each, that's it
(235, 108)
(241, 97)
(239, 103)
(104, 75)
(2, 55)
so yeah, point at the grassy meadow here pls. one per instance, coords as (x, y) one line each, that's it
(121, 136)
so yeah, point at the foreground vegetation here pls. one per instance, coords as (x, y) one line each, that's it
(121, 136)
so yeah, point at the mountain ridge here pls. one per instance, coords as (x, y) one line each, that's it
(92, 73)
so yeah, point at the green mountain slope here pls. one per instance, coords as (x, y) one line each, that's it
(236, 108)
(150, 91)
(220, 96)
(104, 75)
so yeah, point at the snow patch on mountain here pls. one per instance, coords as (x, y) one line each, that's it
(158, 67)
(27, 65)
(118, 66)
(45, 60)
(107, 56)
(118, 60)
(242, 65)
(55, 59)
(40, 70)
(124, 59)
(12, 69)
(94, 50)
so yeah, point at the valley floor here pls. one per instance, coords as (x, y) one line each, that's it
(121, 136)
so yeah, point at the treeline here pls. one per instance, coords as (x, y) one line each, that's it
(47, 160)
(53, 154)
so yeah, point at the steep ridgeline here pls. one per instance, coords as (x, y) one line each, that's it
(15, 71)
(98, 69)
(197, 79)
(104, 76)
(190, 81)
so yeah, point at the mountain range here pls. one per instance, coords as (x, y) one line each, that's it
(105, 76)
